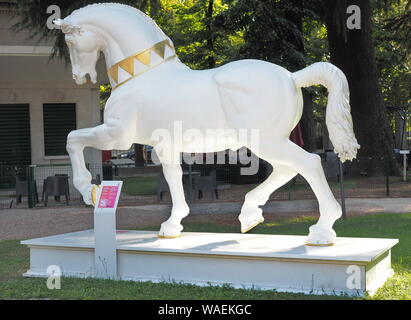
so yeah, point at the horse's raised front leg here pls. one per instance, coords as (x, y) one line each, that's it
(174, 175)
(103, 137)
(251, 215)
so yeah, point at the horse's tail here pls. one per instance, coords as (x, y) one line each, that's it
(338, 116)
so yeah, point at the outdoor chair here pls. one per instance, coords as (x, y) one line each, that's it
(206, 183)
(56, 186)
(162, 186)
(22, 190)
(44, 189)
(97, 180)
(331, 165)
(64, 177)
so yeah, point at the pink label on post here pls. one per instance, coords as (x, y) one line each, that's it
(108, 197)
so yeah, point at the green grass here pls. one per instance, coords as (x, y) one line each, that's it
(15, 260)
(303, 185)
(140, 186)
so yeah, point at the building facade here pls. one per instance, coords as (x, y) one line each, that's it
(39, 101)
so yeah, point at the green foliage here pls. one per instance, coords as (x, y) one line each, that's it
(316, 49)
(190, 24)
(392, 46)
(270, 30)
(138, 186)
(105, 92)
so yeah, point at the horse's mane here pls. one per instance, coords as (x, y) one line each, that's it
(86, 10)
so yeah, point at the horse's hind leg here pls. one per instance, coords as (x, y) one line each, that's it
(285, 152)
(251, 214)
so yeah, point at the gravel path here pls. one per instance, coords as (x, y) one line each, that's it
(33, 223)
(39, 222)
(30, 223)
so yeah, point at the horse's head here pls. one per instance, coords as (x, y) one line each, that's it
(84, 46)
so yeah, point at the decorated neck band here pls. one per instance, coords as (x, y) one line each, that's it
(135, 65)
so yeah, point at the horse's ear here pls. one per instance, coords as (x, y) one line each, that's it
(58, 23)
(66, 26)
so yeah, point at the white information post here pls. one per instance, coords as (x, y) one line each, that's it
(105, 254)
(404, 154)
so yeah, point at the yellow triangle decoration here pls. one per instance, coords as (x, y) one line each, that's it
(113, 73)
(160, 49)
(145, 57)
(128, 65)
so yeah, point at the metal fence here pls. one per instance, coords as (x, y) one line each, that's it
(366, 178)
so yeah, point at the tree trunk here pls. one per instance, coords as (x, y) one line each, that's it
(307, 122)
(307, 119)
(210, 41)
(138, 154)
(400, 139)
(353, 52)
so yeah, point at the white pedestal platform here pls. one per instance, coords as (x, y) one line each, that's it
(284, 263)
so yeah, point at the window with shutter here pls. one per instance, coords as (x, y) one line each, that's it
(15, 144)
(59, 120)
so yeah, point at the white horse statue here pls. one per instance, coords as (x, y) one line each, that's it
(153, 89)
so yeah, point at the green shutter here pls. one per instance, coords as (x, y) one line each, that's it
(15, 146)
(59, 121)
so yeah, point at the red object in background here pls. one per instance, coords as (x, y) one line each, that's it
(105, 155)
(296, 136)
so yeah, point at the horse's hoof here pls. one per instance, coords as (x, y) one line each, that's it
(168, 237)
(249, 221)
(94, 194)
(90, 195)
(170, 231)
(87, 198)
(320, 237)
